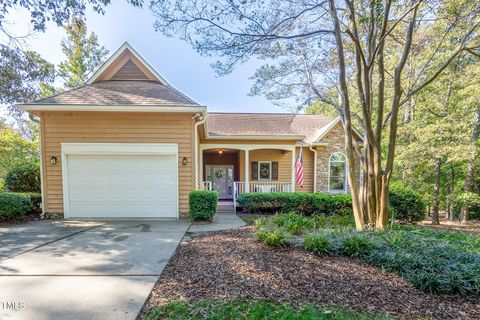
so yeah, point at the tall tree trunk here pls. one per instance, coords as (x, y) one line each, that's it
(471, 165)
(436, 192)
(347, 121)
(451, 192)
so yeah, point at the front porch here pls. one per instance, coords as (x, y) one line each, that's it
(233, 170)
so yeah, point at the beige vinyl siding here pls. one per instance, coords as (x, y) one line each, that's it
(308, 163)
(78, 127)
(284, 159)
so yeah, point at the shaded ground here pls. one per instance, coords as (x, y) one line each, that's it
(472, 226)
(234, 265)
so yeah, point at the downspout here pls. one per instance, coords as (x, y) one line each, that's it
(31, 116)
(314, 168)
(199, 119)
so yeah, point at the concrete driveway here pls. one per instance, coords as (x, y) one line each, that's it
(82, 270)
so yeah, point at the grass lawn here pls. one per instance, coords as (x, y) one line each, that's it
(253, 310)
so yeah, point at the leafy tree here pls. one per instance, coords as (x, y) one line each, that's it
(359, 48)
(14, 149)
(42, 11)
(23, 75)
(84, 54)
(438, 145)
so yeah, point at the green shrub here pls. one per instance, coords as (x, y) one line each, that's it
(275, 237)
(293, 223)
(321, 221)
(203, 205)
(407, 205)
(14, 205)
(24, 177)
(306, 204)
(356, 244)
(319, 243)
(35, 202)
(470, 200)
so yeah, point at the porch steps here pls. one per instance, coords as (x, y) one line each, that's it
(225, 206)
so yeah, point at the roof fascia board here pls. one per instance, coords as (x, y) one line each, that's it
(329, 128)
(114, 57)
(256, 137)
(113, 108)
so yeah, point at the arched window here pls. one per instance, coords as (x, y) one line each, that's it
(337, 173)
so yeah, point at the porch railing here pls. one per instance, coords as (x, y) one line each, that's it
(206, 185)
(240, 187)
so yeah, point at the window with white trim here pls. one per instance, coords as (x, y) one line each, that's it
(337, 173)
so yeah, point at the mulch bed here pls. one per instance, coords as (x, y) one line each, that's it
(235, 265)
(23, 219)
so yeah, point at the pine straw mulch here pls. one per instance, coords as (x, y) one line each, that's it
(235, 265)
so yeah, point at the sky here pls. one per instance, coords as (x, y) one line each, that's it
(174, 59)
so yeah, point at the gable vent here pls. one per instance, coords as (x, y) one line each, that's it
(129, 71)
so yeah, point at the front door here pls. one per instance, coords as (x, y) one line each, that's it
(221, 177)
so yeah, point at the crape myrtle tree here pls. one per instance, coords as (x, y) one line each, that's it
(359, 48)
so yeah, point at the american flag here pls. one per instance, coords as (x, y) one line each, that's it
(299, 169)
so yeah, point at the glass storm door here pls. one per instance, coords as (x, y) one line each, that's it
(222, 179)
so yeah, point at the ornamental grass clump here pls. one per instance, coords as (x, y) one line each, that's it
(293, 223)
(275, 237)
(318, 243)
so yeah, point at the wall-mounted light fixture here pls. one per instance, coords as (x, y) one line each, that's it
(53, 160)
(184, 161)
(220, 151)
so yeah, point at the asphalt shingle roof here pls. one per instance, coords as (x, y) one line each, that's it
(224, 124)
(121, 93)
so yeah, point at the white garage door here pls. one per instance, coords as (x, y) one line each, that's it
(121, 186)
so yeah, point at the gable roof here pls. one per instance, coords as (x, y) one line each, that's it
(124, 82)
(325, 130)
(128, 57)
(304, 127)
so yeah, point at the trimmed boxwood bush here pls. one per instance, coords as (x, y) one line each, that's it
(14, 205)
(203, 205)
(302, 203)
(24, 177)
(407, 205)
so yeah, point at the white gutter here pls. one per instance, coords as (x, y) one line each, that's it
(314, 168)
(256, 137)
(197, 142)
(37, 121)
(112, 108)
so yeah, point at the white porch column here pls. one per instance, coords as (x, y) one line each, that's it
(293, 169)
(247, 171)
(200, 170)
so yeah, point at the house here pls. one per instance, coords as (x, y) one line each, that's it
(129, 145)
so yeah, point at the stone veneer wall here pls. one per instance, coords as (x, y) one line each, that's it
(336, 143)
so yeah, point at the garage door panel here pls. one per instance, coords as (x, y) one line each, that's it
(132, 186)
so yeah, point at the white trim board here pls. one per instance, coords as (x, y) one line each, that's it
(110, 108)
(206, 146)
(68, 149)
